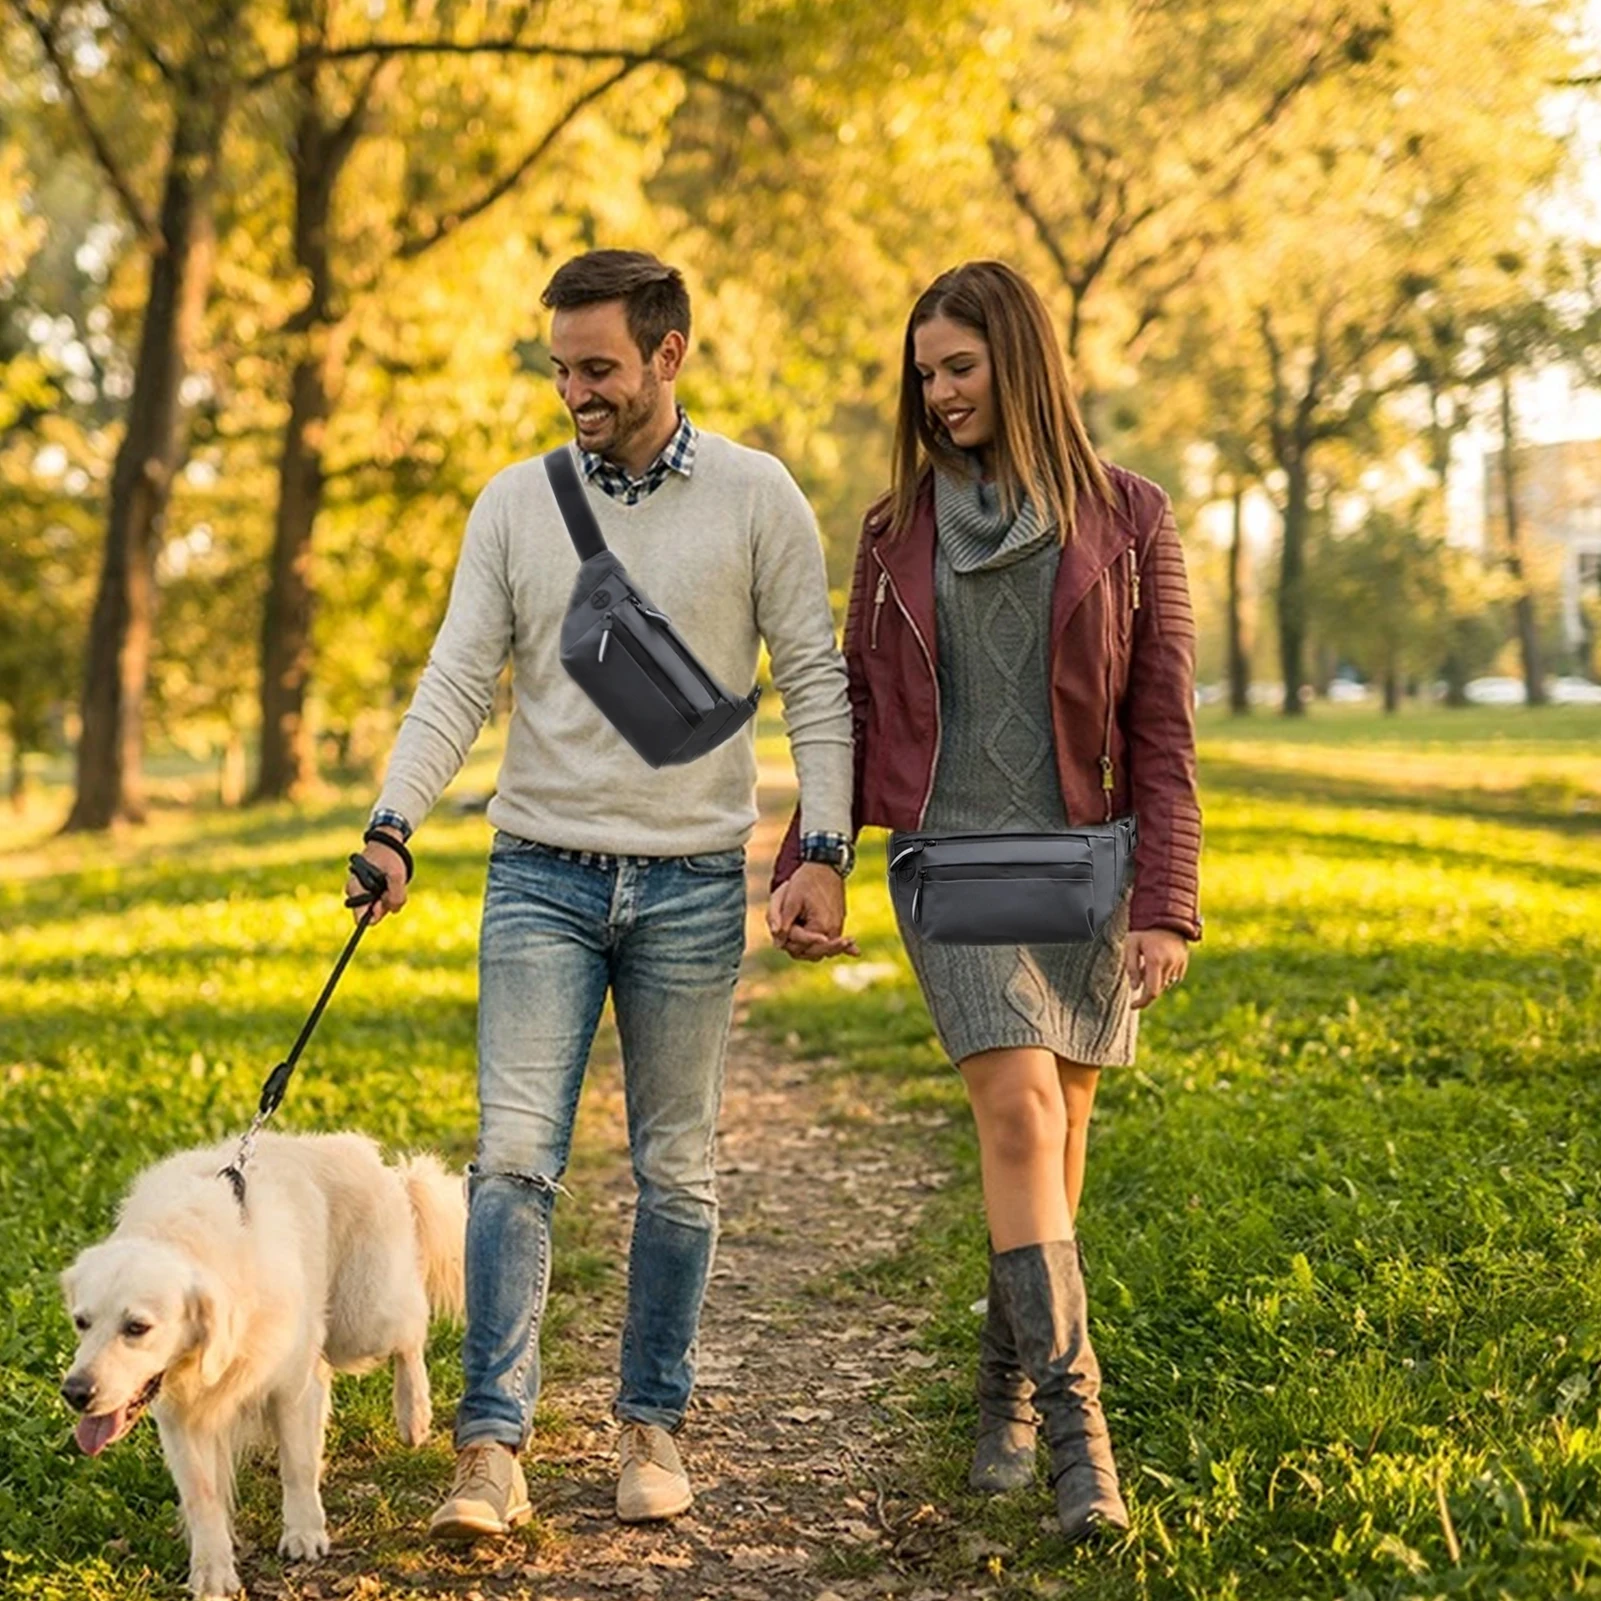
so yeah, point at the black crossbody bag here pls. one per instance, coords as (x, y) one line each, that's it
(1012, 889)
(627, 656)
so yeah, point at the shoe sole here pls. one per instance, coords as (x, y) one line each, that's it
(659, 1515)
(459, 1530)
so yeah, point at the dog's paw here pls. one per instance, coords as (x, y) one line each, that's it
(304, 1545)
(214, 1579)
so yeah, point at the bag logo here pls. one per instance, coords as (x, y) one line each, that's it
(601, 597)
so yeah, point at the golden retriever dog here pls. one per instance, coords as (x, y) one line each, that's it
(219, 1315)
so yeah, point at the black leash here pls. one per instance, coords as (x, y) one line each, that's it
(374, 882)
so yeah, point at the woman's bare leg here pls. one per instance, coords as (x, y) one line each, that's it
(1078, 1081)
(1016, 1096)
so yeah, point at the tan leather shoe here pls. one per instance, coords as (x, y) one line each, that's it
(489, 1495)
(652, 1483)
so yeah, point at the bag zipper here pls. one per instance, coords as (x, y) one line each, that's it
(686, 655)
(667, 690)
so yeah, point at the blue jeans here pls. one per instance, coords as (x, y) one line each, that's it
(666, 934)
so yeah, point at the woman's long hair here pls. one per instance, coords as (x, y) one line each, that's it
(1041, 448)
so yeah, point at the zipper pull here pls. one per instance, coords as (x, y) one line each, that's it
(649, 611)
(605, 637)
(1106, 773)
(1134, 575)
(878, 601)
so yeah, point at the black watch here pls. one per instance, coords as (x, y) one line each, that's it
(841, 857)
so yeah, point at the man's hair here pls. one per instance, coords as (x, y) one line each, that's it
(653, 294)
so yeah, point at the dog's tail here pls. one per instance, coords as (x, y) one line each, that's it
(439, 1209)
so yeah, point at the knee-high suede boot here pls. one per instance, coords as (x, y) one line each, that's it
(1042, 1299)
(1008, 1426)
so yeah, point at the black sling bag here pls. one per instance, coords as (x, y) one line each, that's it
(1013, 889)
(627, 656)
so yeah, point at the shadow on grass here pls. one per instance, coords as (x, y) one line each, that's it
(1512, 806)
(1336, 844)
(99, 887)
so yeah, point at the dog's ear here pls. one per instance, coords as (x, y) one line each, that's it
(214, 1325)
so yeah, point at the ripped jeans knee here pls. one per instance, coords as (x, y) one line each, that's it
(508, 1281)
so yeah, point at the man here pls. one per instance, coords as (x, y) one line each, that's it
(606, 873)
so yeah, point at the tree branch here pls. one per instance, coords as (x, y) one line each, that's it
(479, 47)
(1006, 161)
(411, 248)
(151, 49)
(660, 55)
(343, 138)
(144, 223)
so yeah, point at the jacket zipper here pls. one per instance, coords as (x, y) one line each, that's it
(928, 656)
(1110, 636)
(878, 602)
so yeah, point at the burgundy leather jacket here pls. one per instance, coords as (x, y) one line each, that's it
(1122, 673)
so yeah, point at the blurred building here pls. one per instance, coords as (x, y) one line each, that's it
(1559, 513)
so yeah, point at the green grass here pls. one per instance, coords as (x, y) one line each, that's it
(146, 989)
(1344, 1218)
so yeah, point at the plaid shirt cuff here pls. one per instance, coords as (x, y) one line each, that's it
(387, 819)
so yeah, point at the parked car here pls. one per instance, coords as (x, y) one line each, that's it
(1347, 691)
(1495, 691)
(1573, 692)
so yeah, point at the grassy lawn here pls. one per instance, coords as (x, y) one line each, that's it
(1342, 1220)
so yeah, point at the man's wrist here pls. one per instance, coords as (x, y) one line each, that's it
(832, 850)
(386, 819)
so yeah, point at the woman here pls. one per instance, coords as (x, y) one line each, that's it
(1021, 655)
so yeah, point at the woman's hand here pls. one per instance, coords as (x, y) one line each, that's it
(1156, 959)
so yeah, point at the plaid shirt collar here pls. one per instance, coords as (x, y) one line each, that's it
(678, 456)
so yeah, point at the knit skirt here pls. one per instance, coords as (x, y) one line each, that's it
(1073, 999)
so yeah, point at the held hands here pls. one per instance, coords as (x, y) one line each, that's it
(1155, 959)
(806, 915)
(393, 867)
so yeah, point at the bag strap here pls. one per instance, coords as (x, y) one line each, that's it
(574, 504)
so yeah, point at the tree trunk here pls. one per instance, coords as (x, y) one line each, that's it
(111, 746)
(1392, 690)
(1528, 628)
(231, 768)
(1239, 643)
(1292, 585)
(19, 775)
(288, 754)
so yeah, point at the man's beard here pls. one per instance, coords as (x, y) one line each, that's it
(630, 418)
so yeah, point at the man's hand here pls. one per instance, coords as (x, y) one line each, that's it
(1155, 959)
(388, 863)
(806, 915)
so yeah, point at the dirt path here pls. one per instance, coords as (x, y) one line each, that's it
(789, 1449)
(790, 1444)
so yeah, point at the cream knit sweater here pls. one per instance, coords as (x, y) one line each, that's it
(732, 555)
